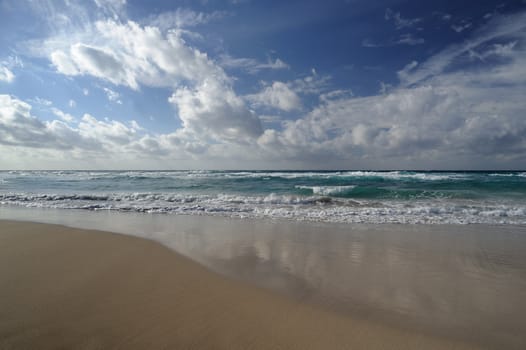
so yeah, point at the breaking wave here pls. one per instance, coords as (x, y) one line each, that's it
(310, 208)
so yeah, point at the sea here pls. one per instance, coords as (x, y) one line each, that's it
(404, 197)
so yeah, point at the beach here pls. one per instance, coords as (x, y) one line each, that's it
(222, 283)
(262, 175)
(73, 288)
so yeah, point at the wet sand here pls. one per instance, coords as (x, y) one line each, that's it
(73, 288)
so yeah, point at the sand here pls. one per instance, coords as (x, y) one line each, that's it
(69, 288)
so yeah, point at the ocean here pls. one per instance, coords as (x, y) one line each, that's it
(405, 197)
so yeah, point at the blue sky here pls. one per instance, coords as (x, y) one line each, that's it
(341, 84)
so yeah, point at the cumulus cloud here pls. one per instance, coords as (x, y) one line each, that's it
(212, 110)
(439, 112)
(68, 118)
(111, 138)
(462, 103)
(278, 95)
(97, 61)
(131, 55)
(419, 123)
(18, 127)
(111, 131)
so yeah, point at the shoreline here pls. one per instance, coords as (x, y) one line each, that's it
(459, 282)
(66, 287)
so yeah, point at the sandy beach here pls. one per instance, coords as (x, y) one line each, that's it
(70, 288)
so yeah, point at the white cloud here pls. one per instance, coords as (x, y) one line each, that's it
(441, 110)
(72, 103)
(19, 128)
(278, 95)
(251, 65)
(405, 72)
(6, 75)
(42, 101)
(313, 84)
(106, 132)
(416, 126)
(113, 96)
(64, 63)
(90, 138)
(131, 55)
(503, 28)
(214, 110)
(335, 94)
(100, 62)
(68, 118)
(506, 50)
(439, 116)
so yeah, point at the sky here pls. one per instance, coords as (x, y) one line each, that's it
(248, 84)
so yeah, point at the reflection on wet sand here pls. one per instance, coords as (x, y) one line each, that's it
(462, 281)
(457, 281)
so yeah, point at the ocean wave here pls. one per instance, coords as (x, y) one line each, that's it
(396, 175)
(403, 175)
(327, 190)
(512, 174)
(275, 206)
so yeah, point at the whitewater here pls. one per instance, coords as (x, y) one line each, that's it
(405, 197)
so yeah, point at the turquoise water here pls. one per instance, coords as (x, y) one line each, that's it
(334, 196)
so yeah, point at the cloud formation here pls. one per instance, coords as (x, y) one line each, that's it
(89, 137)
(18, 127)
(437, 113)
(510, 28)
(214, 110)
(6, 75)
(277, 95)
(463, 103)
(131, 56)
(251, 65)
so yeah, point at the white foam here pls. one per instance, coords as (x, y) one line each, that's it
(399, 175)
(327, 190)
(310, 208)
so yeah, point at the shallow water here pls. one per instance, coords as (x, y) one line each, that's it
(460, 281)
